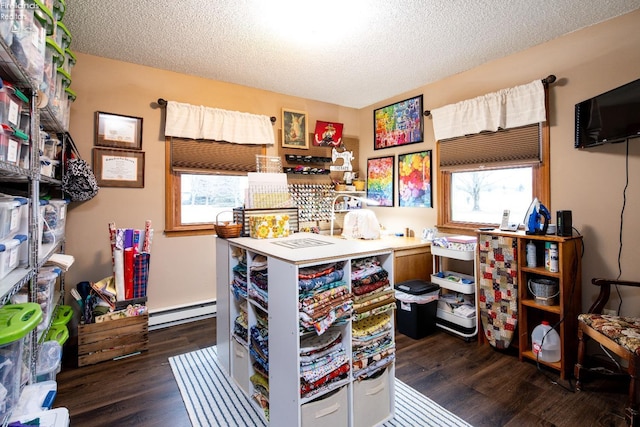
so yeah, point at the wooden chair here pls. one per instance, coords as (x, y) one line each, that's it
(618, 334)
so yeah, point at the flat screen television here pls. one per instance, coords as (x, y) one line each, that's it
(610, 117)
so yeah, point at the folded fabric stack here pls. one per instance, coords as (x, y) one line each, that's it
(259, 351)
(323, 361)
(258, 289)
(373, 346)
(239, 284)
(241, 323)
(324, 299)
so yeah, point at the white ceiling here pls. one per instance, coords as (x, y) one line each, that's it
(352, 53)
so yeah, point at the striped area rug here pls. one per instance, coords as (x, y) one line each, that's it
(213, 399)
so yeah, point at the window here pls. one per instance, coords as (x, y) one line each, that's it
(482, 175)
(204, 178)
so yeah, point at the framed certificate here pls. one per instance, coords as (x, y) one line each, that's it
(118, 131)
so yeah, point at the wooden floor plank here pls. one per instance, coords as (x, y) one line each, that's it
(484, 386)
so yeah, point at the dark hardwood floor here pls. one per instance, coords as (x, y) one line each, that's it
(484, 386)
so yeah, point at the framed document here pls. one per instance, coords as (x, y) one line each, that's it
(118, 131)
(118, 168)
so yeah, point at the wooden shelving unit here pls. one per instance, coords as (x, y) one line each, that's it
(563, 314)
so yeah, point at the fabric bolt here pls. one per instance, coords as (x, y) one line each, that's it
(321, 325)
(328, 365)
(334, 375)
(141, 274)
(371, 360)
(322, 298)
(309, 294)
(364, 289)
(371, 278)
(364, 268)
(378, 300)
(321, 309)
(374, 368)
(359, 299)
(382, 309)
(118, 273)
(308, 360)
(316, 282)
(310, 343)
(316, 271)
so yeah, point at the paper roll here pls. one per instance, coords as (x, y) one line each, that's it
(118, 272)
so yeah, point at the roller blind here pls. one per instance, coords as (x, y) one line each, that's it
(206, 156)
(515, 146)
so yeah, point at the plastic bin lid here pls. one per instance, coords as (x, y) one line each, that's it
(44, 15)
(63, 315)
(70, 94)
(416, 287)
(59, 53)
(12, 243)
(17, 320)
(58, 333)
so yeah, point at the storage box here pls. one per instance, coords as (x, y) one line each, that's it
(55, 214)
(49, 361)
(16, 322)
(10, 253)
(372, 402)
(12, 103)
(98, 342)
(416, 320)
(269, 226)
(28, 43)
(10, 216)
(240, 365)
(241, 216)
(329, 410)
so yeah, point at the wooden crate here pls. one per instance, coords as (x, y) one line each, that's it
(98, 342)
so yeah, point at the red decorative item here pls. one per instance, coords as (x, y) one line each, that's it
(328, 134)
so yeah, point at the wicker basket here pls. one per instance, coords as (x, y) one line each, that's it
(226, 229)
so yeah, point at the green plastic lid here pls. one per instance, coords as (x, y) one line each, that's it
(70, 94)
(66, 75)
(17, 320)
(66, 35)
(18, 133)
(58, 333)
(20, 95)
(63, 315)
(72, 57)
(59, 8)
(44, 15)
(58, 56)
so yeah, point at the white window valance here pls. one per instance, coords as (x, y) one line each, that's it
(200, 122)
(505, 109)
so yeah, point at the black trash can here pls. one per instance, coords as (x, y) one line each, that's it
(416, 319)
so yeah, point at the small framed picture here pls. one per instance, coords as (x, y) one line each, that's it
(294, 129)
(328, 134)
(118, 131)
(118, 168)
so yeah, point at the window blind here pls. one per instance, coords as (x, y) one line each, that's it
(204, 156)
(515, 146)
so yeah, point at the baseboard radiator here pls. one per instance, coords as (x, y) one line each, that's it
(177, 315)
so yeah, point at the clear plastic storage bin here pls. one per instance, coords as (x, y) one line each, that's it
(6, 23)
(16, 322)
(54, 58)
(12, 103)
(55, 214)
(49, 361)
(10, 253)
(9, 216)
(35, 23)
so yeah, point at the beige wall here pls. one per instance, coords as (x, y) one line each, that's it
(182, 268)
(590, 183)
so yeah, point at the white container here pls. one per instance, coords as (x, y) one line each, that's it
(9, 217)
(371, 400)
(55, 214)
(10, 254)
(531, 254)
(49, 361)
(545, 343)
(329, 410)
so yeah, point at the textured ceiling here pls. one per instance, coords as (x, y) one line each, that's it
(350, 52)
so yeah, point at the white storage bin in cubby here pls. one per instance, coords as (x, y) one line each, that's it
(240, 365)
(371, 399)
(329, 410)
(10, 253)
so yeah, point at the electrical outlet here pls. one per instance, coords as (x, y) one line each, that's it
(608, 312)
